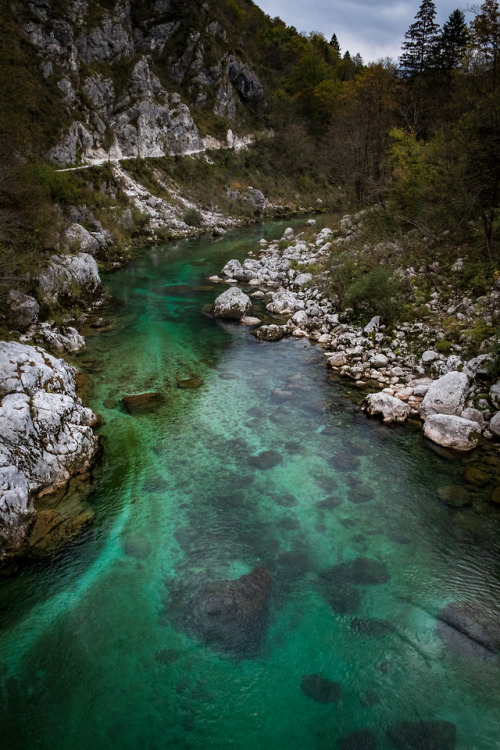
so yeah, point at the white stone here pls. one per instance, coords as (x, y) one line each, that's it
(232, 304)
(494, 424)
(446, 395)
(390, 408)
(495, 395)
(451, 431)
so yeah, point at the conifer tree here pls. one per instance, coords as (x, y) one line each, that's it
(451, 43)
(334, 42)
(420, 42)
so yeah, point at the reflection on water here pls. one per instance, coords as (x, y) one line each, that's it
(266, 564)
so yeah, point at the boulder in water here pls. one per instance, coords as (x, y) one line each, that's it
(233, 304)
(360, 739)
(435, 734)
(265, 460)
(470, 628)
(231, 616)
(372, 627)
(320, 689)
(142, 403)
(362, 571)
(138, 546)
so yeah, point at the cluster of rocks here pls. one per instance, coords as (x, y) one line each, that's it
(45, 435)
(449, 393)
(67, 280)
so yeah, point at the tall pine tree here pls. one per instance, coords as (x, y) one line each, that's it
(451, 44)
(420, 42)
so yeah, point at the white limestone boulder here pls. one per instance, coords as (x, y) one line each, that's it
(451, 431)
(233, 304)
(391, 409)
(446, 395)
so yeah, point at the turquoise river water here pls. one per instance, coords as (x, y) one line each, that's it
(94, 648)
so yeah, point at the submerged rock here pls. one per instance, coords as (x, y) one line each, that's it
(142, 403)
(343, 598)
(375, 628)
(138, 546)
(231, 616)
(265, 460)
(361, 571)
(360, 739)
(454, 495)
(470, 628)
(320, 689)
(435, 734)
(190, 383)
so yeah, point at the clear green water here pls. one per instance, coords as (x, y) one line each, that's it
(179, 504)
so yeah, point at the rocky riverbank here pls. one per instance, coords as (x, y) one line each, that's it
(400, 366)
(46, 438)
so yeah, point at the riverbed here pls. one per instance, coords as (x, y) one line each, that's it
(95, 648)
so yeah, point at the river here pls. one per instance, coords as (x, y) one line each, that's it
(94, 647)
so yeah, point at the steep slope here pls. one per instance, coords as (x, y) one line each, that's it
(132, 76)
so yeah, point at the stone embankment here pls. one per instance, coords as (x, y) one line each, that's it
(450, 394)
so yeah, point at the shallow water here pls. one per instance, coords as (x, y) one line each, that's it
(94, 648)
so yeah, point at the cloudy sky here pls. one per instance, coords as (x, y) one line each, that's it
(374, 28)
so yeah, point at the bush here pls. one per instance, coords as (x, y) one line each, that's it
(192, 217)
(378, 292)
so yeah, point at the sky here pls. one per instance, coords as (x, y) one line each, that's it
(374, 28)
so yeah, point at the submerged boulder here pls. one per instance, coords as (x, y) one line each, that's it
(320, 689)
(435, 734)
(362, 571)
(142, 403)
(231, 616)
(470, 628)
(233, 304)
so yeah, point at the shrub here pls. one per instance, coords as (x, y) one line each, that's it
(192, 217)
(378, 292)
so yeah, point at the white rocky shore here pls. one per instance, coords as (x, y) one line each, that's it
(450, 394)
(45, 434)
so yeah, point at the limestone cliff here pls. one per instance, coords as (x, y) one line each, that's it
(133, 76)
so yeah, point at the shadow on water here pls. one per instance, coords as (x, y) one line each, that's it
(266, 565)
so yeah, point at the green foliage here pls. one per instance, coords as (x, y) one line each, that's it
(378, 292)
(443, 347)
(192, 217)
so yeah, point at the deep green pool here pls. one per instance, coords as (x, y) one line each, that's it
(91, 653)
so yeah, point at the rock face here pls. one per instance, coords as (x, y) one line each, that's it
(45, 434)
(452, 432)
(391, 409)
(231, 616)
(69, 278)
(446, 395)
(232, 304)
(132, 114)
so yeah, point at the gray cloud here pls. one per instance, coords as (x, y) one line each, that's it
(374, 29)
